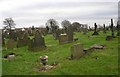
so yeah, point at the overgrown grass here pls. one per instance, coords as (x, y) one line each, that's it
(106, 64)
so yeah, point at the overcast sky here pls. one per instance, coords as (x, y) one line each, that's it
(26, 13)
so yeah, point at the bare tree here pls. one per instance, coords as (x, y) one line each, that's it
(52, 24)
(76, 26)
(9, 22)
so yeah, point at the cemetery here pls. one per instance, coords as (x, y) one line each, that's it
(73, 50)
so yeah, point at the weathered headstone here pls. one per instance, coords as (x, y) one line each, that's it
(13, 35)
(69, 32)
(63, 38)
(11, 44)
(39, 40)
(77, 51)
(20, 34)
(56, 34)
(37, 43)
(118, 28)
(23, 41)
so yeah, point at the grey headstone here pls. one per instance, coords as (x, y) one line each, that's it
(23, 41)
(63, 38)
(77, 51)
(11, 44)
(69, 32)
(37, 43)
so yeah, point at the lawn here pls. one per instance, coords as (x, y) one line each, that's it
(26, 62)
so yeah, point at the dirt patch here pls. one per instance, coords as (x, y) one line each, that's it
(46, 67)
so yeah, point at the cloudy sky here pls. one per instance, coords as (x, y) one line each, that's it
(26, 13)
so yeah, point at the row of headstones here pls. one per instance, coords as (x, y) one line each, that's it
(24, 38)
(110, 37)
(63, 38)
(112, 28)
(33, 38)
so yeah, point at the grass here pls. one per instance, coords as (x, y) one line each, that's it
(26, 61)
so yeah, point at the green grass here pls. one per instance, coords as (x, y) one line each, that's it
(26, 61)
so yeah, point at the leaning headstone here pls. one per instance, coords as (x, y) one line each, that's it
(95, 30)
(77, 51)
(11, 44)
(63, 38)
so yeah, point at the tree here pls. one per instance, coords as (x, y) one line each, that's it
(65, 24)
(52, 24)
(9, 22)
(76, 26)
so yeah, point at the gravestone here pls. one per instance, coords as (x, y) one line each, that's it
(20, 34)
(11, 44)
(118, 28)
(13, 35)
(56, 34)
(104, 28)
(95, 30)
(37, 42)
(23, 41)
(112, 29)
(63, 38)
(77, 51)
(69, 32)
